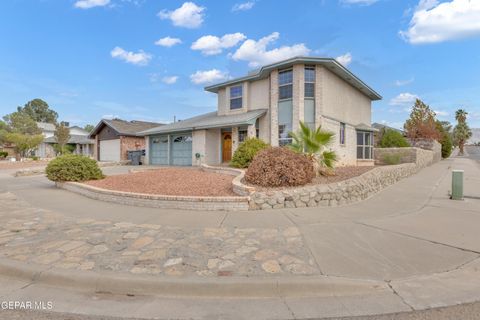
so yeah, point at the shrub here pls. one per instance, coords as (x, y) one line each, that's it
(246, 151)
(3, 154)
(392, 159)
(73, 168)
(278, 167)
(447, 145)
(393, 139)
(35, 158)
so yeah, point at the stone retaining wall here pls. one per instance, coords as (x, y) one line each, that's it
(344, 192)
(157, 201)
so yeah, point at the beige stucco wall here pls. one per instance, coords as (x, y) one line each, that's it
(259, 94)
(146, 159)
(212, 146)
(222, 101)
(199, 146)
(343, 102)
(347, 153)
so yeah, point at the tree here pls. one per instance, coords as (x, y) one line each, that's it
(461, 132)
(20, 122)
(23, 144)
(393, 139)
(422, 123)
(89, 127)
(62, 135)
(444, 127)
(312, 143)
(39, 111)
(4, 129)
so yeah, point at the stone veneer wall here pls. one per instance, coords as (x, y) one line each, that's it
(344, 192)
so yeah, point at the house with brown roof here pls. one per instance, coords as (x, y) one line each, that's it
(114, 138)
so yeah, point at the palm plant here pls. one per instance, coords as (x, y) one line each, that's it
(313, 143)
(461, 132)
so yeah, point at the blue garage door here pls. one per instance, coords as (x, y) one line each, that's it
(159, 150)
(181, 150)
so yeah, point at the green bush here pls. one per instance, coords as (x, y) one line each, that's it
(447, 145)
(71, 167)
(35, 158)
(246, 151)
(392, 159)
(3, 154)
(280, 167)
(393, 139)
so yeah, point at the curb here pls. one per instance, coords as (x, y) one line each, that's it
(234, 287)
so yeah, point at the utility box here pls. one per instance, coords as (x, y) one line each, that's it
(135, 157)
(457, 185)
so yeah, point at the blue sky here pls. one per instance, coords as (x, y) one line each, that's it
(149, 60)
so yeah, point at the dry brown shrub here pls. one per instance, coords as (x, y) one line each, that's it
(278, 167)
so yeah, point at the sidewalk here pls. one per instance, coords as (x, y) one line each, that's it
(407, 248)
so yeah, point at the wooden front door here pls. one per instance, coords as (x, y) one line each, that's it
(226, 147)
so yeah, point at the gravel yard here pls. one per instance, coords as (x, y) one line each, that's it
(170, 181)
(4, 164)
(341, 173)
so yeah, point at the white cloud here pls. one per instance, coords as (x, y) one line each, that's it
(400, 83)
(360, 2)
(345, 59)
(168, 42)
(433, 21)
(170, 79)
(208, 76)
(189, 15)
(256, 53)
(404, 100)
(243, 6)
(140, 58)
(441, 113)
(211, 45)
(87, 4)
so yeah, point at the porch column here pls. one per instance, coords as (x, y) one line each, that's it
(251, 131)
(77, 148)
(235, 139)
(87, 150)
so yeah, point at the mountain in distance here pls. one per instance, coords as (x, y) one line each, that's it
(475, 136)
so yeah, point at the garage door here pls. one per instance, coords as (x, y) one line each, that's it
(110, 150)
(182, 150)
(159, 150)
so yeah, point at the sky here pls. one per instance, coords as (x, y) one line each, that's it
(150, 59)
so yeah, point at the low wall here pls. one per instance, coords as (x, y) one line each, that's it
(348, 191)
(157, 201)
(418, 156)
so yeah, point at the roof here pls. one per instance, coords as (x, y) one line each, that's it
(208, 121)
(44, 126)
(125, 128)
(74, 139)
(365, 127)
(380, 126)
(329, 63)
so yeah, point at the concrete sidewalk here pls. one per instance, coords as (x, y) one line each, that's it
(407, 248)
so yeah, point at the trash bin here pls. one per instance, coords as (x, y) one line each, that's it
(134, 156)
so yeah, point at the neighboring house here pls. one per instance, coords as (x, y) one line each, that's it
(113, 138)
(381, 128)
(269, 103)
(79, 140)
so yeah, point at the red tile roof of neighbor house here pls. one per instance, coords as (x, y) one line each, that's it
(126, 128)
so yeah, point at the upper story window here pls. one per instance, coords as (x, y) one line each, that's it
(236, 97)
(285, 84)
(310, 82)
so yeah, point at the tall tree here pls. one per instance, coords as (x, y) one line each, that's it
(4, 129)
(461, 132)
(422, 123)
(21, 122)
(89, 127)
(39, 111)
(24, 144)
(444, 127)
(62, 135)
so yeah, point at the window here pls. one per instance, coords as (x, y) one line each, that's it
(310, 82)
(242, 135)
(364, 145)
(309, 113)
(236, 94)
(285, 115)
(342, 133)
(285, 84)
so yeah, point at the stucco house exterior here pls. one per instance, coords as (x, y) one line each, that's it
(113, 138)
(269, 103)
(78, 139)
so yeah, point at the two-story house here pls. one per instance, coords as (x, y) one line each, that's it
(269, 103)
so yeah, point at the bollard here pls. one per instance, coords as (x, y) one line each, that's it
(457, 185)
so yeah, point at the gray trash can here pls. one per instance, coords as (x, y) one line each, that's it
(134, 156)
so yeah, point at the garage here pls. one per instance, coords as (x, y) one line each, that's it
(181, 150)
(159, 150)
(110, 150)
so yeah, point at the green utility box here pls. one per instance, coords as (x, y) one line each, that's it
(457, 185)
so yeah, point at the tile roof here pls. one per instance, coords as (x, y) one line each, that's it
(126, 128)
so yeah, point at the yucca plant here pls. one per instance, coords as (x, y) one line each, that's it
(312, 143)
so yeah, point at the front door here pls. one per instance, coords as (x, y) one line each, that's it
(227, 147)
